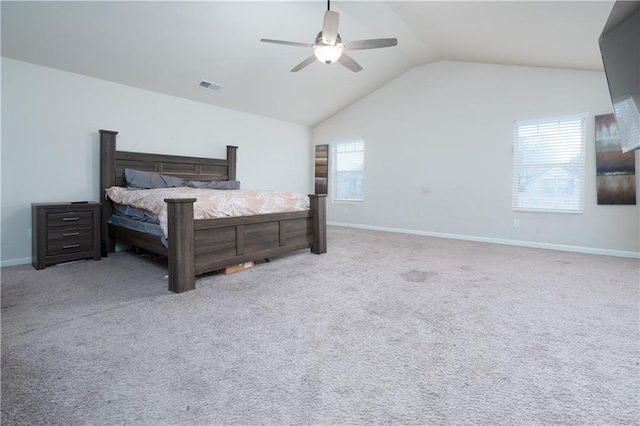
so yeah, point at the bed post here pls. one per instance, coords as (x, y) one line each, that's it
(231, 160)
(318, 205)
(182, 268)
(107, 179)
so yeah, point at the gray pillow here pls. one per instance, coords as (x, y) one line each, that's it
(213, 184)
(137, 179)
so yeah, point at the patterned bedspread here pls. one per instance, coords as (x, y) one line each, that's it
(211, 203)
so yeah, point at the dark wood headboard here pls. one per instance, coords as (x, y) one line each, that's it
(113, 163)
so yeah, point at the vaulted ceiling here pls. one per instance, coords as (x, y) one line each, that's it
(168, 47)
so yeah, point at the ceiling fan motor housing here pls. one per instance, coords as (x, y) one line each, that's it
(319, 42)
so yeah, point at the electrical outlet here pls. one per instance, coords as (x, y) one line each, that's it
(516, 222)
(346, 210)
(29, 233)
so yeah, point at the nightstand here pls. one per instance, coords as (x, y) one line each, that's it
(63, 232)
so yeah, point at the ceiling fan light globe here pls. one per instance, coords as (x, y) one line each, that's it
(327, 54)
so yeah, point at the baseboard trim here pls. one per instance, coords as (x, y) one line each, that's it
(26, 260)
(531, 244)
(14, 262)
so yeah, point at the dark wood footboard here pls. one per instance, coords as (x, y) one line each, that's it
(217, 243)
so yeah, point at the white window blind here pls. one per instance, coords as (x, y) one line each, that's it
(549, 164)
(349, 170)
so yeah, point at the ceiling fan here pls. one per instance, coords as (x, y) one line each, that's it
(329, 47)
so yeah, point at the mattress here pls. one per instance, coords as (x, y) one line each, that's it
(210, 203)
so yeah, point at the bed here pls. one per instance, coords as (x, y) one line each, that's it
(199, 246)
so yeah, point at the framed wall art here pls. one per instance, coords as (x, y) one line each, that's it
(616, 171)
(321, 169)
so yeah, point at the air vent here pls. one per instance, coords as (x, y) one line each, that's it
(209, 85)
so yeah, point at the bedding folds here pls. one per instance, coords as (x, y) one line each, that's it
(210, 203)
(138, 225)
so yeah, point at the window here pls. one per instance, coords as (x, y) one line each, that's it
(548, 164)
(348, 166)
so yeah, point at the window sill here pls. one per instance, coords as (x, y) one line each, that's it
(523, 210)
(347, 201)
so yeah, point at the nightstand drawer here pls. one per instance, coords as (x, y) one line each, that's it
(77, 218)
(70, 240)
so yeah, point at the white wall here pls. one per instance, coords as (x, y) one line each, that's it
(51, 118)
(439, 150)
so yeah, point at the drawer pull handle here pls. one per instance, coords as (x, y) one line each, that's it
(71, 246)
(70, 218)
(71, 234)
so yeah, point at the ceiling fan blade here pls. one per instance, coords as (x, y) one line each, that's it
(348, 62)
(370, 44)
(304, 63)
(287, 43)
(330, 27)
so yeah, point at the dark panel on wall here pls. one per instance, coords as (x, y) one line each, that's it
(321, 169)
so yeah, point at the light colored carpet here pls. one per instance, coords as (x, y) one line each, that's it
(384, 328)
